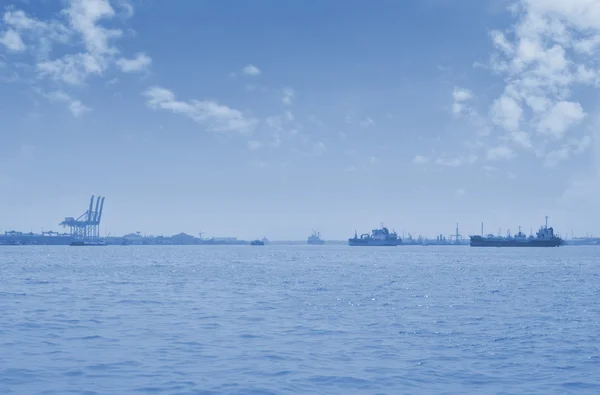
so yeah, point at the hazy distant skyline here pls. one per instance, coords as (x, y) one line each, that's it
(265, 118)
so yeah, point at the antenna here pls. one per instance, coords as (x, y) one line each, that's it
(546, 222)
(482, 228)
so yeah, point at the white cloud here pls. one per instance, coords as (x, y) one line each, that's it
(506, 112)
(565, 151)
(586, 75)
(459, 96)
(319, 148)
(43, 33)
(500, 152)
(140, 62)
(367, 122)
(455, 162)
(72, 69)
(560, 118)
(556, 156)
(251, 70)
(288, 96)
(87, 46)
(276, 140)
(373, 160)
(544, 58)
(84, 16)
(420, 160)
(126, 7)
(81, 24)
(283, 126)
(521, 138)
(19, 20)
(501, 43)
(76, 107)
(277, 122)
(588, 45)
(12, 40)
(254, 145)
(214, 116)
(462, 108)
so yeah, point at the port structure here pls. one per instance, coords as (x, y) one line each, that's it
(87, 225)
(458, 237)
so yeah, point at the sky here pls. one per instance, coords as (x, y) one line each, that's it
(273, 118)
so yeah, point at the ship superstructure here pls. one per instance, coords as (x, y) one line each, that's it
(379, 237)
(315, 239)
(544, 237)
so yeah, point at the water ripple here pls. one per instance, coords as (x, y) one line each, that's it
(299, 320)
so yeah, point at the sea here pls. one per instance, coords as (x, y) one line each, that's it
(300, 319)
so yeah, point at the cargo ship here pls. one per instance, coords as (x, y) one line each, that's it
(315, 239)
(544, 237)
(381, 237)
(88, 243)
(584, 241)
(257, 242)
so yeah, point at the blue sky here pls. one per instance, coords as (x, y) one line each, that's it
(272, 118)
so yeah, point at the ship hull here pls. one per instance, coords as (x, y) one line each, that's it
(81, 243)
(373, 243)
(515, 243)
(316, 242)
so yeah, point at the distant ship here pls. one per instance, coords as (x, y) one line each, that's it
(544, 237)
(257, 243)
(381, 237)
(584, 241)
(88, 243)
(315, 239)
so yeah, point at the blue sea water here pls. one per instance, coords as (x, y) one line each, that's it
(299, 320)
